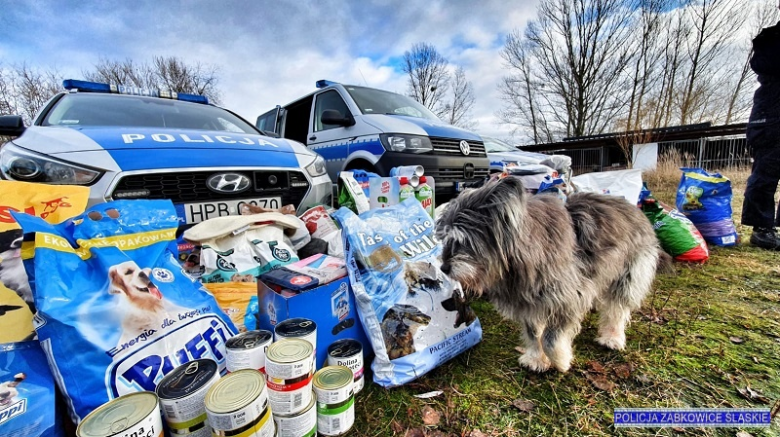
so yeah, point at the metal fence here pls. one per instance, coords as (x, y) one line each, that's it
(709, 153)
(583, 160)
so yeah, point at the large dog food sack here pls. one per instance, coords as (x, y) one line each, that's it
(53, 203)
(677, 235)
(415, 317)
(27, 406)
(115, 311)
(705, 198)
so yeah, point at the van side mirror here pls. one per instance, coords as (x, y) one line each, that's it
(11, 125)
(332, 116)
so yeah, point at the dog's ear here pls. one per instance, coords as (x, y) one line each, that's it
(449, 304)
(513, 186)
(115, 285)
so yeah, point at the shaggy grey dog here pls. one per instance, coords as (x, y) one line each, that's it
(545, 264)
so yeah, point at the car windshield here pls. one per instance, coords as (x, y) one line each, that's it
(83, 109)
(374, 101)
(493, 145)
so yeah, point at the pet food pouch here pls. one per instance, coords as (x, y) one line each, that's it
(115, 311)
(53, 203)
(705, 198)
(677, 235)
(233, 298)
(27, 393)
(415, 317)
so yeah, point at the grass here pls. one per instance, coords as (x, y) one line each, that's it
(703, 334)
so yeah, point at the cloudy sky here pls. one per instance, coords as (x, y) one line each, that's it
(271, 52)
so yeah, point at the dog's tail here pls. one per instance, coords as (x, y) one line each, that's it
(665, 263)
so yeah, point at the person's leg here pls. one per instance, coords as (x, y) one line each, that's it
(759, 209)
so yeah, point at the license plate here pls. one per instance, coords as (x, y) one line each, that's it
(198, 212)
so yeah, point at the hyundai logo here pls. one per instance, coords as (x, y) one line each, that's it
(464, 148)
(228, 183)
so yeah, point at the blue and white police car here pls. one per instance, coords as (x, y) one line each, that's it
(127, 143)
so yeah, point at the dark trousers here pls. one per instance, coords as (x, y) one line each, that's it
(759, 207)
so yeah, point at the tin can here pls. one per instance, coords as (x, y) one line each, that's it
(348, 353)
(181, 395)
(247, 350)
(302, 424)
(237, 405)
(289, 367)
(335, 400)
(299, 328)
(131, 414)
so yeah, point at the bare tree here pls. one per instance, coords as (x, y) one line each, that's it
(428, 76)
(24, 90)
(458, 110)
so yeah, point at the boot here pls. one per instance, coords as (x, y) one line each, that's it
(766, 238)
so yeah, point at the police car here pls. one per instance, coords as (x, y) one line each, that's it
(503, 155)
(128, 143)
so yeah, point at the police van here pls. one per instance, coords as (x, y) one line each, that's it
(356, 127)
(129, 143)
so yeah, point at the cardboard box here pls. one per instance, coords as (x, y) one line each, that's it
(331, 306)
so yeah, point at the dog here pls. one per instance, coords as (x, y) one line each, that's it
(12, 273)
(545, 263)
(8, 390)
(399, 325)
(142, 300)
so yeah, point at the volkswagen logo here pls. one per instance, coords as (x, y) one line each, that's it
(228, 183)
(464, 148)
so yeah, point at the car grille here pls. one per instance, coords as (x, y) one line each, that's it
(182, 187)
(455, 174)
(451, 147)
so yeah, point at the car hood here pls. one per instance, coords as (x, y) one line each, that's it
(419, 126)
(55, 140)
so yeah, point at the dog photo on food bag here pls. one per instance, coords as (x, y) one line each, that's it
(544, 263)
(12, 273)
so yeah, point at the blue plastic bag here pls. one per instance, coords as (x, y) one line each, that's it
(27, 407)
(415, 317)
(705, 198)
(115, 311)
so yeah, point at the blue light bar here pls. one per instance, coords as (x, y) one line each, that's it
(94, 87)
(323, 83)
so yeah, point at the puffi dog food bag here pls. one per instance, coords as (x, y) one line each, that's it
(415, 317)
(115, 311)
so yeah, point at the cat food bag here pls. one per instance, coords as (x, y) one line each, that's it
(677, 235)
(53, 203)
(27, 392)
(415, 317)
(115, 311)
(705, 198)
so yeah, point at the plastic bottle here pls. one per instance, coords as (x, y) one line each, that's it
(424, 194)
(406, 191)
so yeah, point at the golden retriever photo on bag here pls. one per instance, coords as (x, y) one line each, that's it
(544, 263)
(141, 300)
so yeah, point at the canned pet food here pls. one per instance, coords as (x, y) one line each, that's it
(303, 424)
(298, 328)
(132, 414)
(335, 400)
(237, 405)
(247, 350)
(288, 364)
(348, 353)
(182, 393)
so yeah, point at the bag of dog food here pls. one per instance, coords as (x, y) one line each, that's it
(415, 317)
(53, 203)
(115, 311)
(677, 235)
(233, 298)
(27, 393)
(705, 198)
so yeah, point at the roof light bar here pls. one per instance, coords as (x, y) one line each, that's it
(324, 83)
(95, 87)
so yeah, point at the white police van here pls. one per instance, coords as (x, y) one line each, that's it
(355, 127)
(127, 143)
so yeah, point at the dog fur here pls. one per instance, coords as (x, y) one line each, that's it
(143, 301)
(12, 273)
(546, 264)
(8, 390)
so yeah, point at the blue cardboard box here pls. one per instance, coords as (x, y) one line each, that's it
(331, 306)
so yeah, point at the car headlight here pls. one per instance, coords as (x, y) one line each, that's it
(20, 165)
(316, 168)
(406, 143)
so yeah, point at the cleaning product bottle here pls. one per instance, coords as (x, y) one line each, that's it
(424, 194)
(406, 191)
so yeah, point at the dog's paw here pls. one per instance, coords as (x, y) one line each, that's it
(534, 362)
(615, 342)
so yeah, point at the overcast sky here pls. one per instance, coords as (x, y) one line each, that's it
(271, 52)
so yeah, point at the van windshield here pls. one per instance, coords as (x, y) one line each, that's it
(374, 101)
